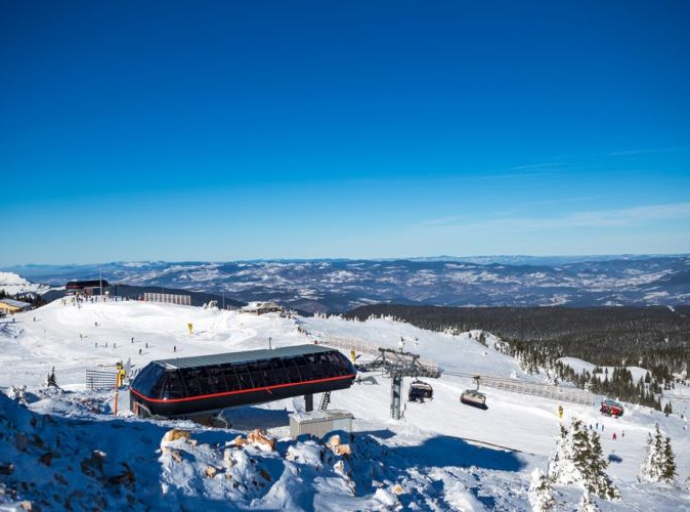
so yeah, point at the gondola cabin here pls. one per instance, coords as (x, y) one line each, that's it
(611, 408)
(420, 391)
(196, 385)
(474, 398)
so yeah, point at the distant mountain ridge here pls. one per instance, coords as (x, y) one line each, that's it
(332, 285)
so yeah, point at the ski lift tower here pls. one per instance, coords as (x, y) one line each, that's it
(398, 365)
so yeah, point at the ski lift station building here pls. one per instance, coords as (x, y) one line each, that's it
(87, 287)
(196, 385)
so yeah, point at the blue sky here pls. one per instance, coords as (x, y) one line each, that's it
(226, 130)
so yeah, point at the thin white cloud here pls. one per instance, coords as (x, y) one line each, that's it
(634, 152)
(624, 217)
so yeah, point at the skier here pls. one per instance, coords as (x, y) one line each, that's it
(139, 351)
(614, 436)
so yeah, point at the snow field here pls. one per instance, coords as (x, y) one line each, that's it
(444, 454)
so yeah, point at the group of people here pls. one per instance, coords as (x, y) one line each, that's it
(614, 435)
(595, 427)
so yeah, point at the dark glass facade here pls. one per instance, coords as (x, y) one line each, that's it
(229, 384)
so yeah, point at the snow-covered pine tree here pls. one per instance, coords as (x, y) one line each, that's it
(652, 467)
(598, 481)
(582, 454)
(561, 467)
(541, 495)
(579, 459)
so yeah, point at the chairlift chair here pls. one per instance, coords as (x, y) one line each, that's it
(420, 391)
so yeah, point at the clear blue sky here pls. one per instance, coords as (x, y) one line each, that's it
(223, 130)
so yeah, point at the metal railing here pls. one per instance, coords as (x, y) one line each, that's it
(542, 390)
(100, 380)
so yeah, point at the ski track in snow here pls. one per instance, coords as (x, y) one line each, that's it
(444, 455)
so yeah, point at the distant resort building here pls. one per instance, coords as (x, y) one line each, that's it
(168, 298)
(11, 306)
(260, 308)
(88, 288)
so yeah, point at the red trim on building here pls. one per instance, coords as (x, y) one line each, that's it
(227, 393)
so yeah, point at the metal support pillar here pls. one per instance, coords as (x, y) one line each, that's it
(309, 402)
(396, 391)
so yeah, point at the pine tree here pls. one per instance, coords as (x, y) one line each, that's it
(599, 482)
(652, 468)
(541, 495)
(579, 459)
(669, 468)
(561, 467)
(582, 455)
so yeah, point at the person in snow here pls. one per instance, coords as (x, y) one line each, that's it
(614, 436)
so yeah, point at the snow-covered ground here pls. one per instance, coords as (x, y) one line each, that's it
(579, 366)
(442, 455)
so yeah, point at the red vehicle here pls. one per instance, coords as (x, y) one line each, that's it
(611, 408)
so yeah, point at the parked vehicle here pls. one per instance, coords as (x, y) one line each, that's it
(474, 398)
(611, 408)
(420, 391)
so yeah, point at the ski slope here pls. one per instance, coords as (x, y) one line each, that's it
(444, 455)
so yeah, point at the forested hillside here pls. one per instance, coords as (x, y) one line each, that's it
(655, 338)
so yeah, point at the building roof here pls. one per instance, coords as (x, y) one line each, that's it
(320, 416)
(240, 357)
(16, 303)
(86, 284)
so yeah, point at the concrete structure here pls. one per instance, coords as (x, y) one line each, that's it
(11, 306)
(95, 287)
(320, 423)
(260, 308)
(168, 298)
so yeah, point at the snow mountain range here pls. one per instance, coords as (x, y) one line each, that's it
(341, 285)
